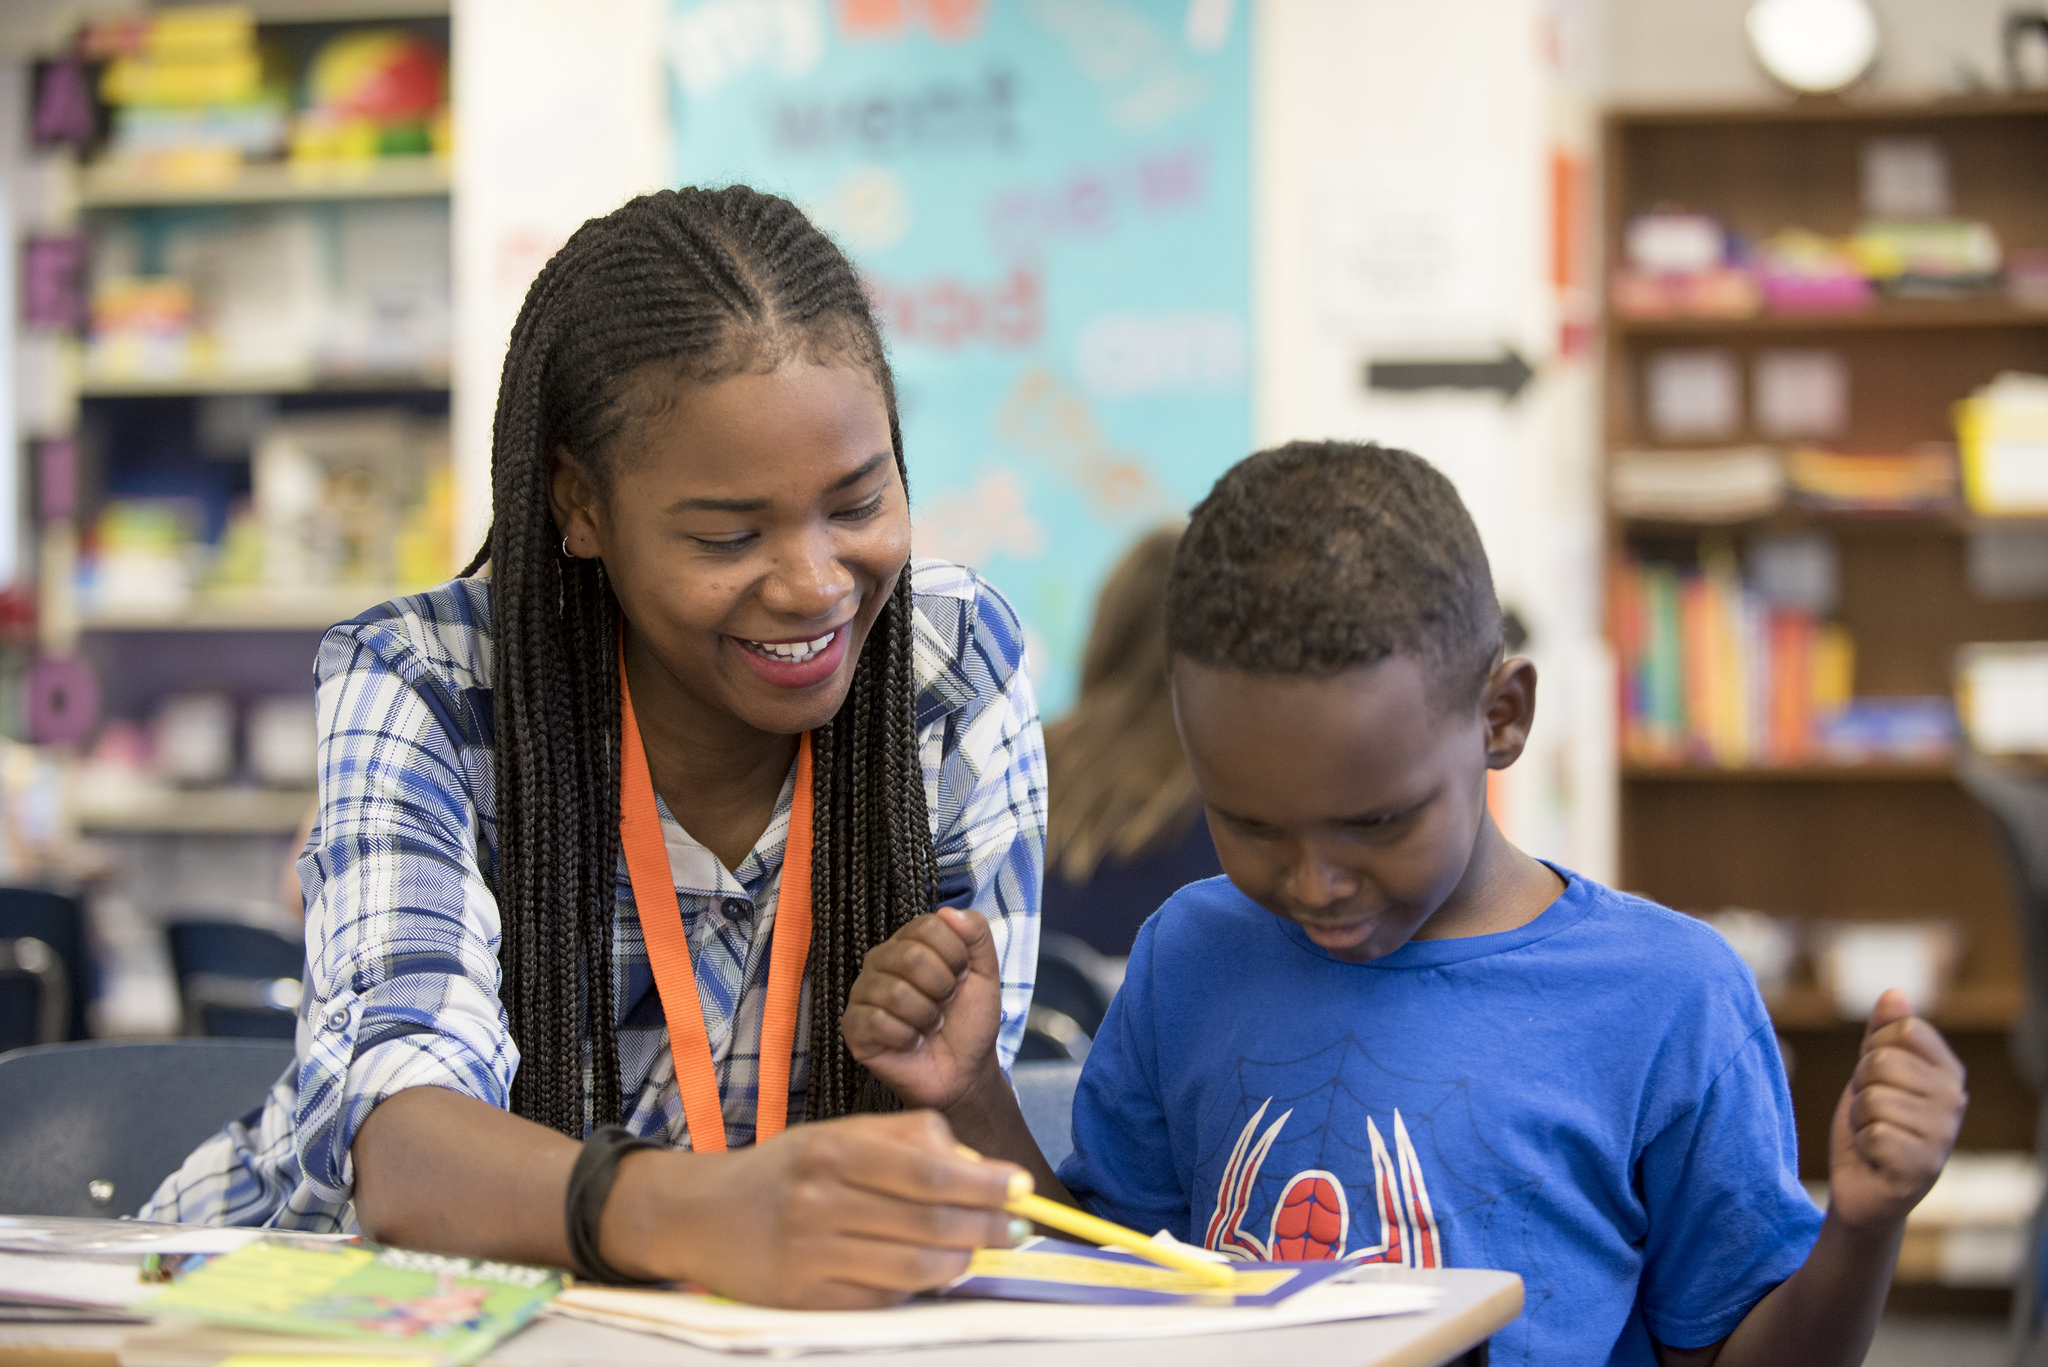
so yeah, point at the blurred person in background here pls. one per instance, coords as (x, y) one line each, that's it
(1125, 830)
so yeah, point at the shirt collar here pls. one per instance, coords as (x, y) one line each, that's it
(698, 872)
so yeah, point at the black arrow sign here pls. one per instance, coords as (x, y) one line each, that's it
(1508, 374)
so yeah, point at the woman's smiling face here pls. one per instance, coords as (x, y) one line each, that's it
(753, 529)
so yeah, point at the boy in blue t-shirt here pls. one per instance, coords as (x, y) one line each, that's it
(1389, 1035)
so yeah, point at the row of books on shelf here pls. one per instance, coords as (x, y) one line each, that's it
(358, 502)
(189, 94)
(1718, 672)
(1997, 468)
(1914, 241)
(1712, 673)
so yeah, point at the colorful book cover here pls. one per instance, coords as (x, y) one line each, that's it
(1625, 613)
(420, 1304)
(1696, 632)
(1078, 1274)
(1791, 687)
(1664, 670)
(1727, 699)
(1756, 678)
(1834, 670)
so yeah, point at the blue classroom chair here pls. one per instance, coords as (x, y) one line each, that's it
(2018, 804)
(28, 985)
(237, 979)
(91, 1128)
(1069, 998)
(1045, 1093)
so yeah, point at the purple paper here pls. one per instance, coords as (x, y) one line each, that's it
(1302, 1276)
(53, 282)
(63, 700)
(63, 113)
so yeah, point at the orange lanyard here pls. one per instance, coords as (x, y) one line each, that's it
(668, 946)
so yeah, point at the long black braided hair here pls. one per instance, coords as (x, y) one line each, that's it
(683, 285)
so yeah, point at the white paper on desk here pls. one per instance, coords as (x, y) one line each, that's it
(102, 1283)
(77, 1237)
(726, 1326)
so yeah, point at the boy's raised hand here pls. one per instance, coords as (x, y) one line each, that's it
(924, 1013)
(1897, 1120)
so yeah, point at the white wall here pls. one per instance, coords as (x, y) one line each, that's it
(561, 115)
(1402, 209)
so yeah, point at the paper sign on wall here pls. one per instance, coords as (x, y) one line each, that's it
(1049, 200)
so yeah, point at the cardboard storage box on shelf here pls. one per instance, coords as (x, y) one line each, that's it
(2003, 432)
(1723, 484)
(2002, 693)
(1857, 961)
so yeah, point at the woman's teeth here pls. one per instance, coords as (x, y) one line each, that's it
(791, 652)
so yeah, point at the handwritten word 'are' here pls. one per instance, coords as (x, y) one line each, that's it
(1088, 203)
(946, 313)
(943, 115)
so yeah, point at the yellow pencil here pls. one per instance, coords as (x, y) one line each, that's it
(1079, 1223)
(1082, 1225)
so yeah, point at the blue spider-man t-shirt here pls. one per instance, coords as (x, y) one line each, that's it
(1594, 1101)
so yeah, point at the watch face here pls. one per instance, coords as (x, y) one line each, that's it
(1813, 46)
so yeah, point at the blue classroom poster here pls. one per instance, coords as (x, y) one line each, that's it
(1049, 200)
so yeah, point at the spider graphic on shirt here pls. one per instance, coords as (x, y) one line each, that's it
(1311, 1220)
(1334, 1156)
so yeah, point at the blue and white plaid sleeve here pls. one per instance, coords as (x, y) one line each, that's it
(403, 982)
(402, 930)
(984, 770)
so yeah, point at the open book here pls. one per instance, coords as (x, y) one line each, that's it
(353, 1299)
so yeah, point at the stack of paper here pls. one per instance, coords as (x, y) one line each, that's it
(1727, 484)
(1074, 1293)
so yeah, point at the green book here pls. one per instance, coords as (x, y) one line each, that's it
(359, 1299)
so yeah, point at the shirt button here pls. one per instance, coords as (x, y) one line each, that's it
(339, 1019)
(735, 909)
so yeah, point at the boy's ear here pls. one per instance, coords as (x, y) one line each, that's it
(1509, 706)
(573, 495)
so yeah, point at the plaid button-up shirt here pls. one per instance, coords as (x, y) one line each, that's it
(402, 929)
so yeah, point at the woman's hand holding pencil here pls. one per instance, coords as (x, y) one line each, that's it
(846, 1214)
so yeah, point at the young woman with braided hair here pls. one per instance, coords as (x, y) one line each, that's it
(699, 674)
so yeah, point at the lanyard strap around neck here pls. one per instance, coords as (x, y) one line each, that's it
(668, 945)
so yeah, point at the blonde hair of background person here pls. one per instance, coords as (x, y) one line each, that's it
(1118, 779)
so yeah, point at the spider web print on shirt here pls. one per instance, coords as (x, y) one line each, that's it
(1334, 1155)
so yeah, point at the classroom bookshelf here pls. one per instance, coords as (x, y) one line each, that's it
(140, 431)
(1814, 840)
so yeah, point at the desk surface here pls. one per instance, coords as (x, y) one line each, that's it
(1476, 1304)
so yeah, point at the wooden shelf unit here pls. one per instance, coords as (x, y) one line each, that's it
(420, 177)
(1887, 316)
(1818, 841)
(293, 380)
(202, 811)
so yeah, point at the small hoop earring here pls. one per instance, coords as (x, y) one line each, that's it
(567, 554)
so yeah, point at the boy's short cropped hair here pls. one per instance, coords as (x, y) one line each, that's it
(1318, 557)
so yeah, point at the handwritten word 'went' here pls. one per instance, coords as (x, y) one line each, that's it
(946, 314)
(940, 116)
